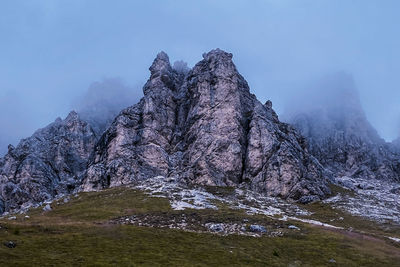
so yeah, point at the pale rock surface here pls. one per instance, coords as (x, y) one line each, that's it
(205, 127)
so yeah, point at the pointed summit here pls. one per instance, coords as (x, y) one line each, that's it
(73, 115)
(217, 65)
(160, 64)
(163, 79)
(217, 54)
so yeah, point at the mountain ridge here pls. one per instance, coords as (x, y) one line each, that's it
(201, 126)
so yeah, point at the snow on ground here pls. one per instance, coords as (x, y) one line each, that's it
(394, 239)
(314, 222)
(182, 197)
(373, 199)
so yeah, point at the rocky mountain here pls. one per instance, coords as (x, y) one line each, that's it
(3, 147)
(47, 164)
(205, 127)
(339, 135)
(396, 143)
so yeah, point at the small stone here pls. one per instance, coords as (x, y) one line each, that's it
(12, 218)
(47, 208)
(293, 227)
(308, 199)
(365, 186)
(395, 190)
(257, 228)
(27, 217)
(332, 261)
(10, 244)
(215, 227)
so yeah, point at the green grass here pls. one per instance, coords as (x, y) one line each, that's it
(79, 233)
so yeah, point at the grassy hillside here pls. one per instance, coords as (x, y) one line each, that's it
(84, 232)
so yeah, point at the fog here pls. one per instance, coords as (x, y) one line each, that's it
(104, 100)
(52, 52)
(334, 92)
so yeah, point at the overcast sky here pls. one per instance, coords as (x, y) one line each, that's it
(52, 51)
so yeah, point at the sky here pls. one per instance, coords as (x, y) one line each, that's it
(53, 51)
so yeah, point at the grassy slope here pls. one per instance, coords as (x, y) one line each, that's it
(79, 233)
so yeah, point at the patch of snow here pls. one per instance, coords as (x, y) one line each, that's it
(181, 197)
(293, 227)
(372, 199)
(394, 239)
(309, 221)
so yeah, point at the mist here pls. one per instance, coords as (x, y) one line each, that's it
(104, 100)
(56, 55)
(330, 105)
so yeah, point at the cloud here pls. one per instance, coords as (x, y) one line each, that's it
(14, 119)
(104, 100)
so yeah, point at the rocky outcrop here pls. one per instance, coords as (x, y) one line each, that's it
(204, 127)
(137, 144)
(3, 147)
(339, 134)
(396, 143)
(49, 163)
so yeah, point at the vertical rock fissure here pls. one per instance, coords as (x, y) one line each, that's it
(246, 128)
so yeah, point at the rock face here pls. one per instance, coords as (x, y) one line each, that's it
(396, 143)
(48, 163)
(3, 147)
(204, 126)
(339, 134)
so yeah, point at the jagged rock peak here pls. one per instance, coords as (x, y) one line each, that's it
(48, 163)
(396, 142)
(271, 113)
(72, 116)
(160, 64)
(205, 128)
(163, 78)
(218, 63)
(218, 55)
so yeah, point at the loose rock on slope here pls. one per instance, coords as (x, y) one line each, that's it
(205, 127)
